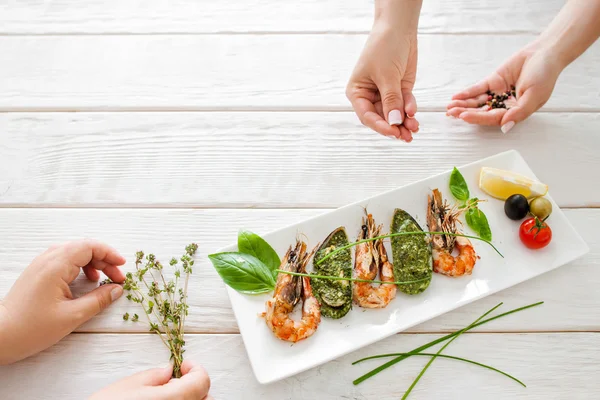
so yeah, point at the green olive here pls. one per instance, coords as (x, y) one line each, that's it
(540, 207)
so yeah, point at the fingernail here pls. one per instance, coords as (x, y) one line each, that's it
(116, 293)
(507, 127)
(395, 117)
(462, 115)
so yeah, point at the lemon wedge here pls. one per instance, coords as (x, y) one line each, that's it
(503, 184)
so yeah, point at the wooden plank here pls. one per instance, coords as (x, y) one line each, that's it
(247, 72)
(556, 366)
(302, 159)
(26, 232)
(191, 16)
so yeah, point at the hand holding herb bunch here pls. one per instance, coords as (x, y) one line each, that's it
(163, 301)
(157, 384)
(40, 309)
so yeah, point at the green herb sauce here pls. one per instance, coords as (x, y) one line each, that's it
(411, 254)
(335, 297)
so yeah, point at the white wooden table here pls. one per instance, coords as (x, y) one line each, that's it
(151, 124)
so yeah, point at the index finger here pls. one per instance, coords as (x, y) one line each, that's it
(366, 112)
(82, 252)
(473, 91)
(89, 253)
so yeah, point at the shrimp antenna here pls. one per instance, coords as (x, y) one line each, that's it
(300, 235)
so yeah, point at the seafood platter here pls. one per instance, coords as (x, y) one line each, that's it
(353, 276)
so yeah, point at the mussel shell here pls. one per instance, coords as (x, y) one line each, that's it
(335, 297)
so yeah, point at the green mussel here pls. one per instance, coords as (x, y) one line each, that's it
(411, 254)
(335, 297)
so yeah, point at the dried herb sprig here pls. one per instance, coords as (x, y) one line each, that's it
(164, 301)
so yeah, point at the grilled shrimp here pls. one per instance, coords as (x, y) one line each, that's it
(441, 219)
(371, 259)
(288, 291)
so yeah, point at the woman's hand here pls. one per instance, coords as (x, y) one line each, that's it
(533, 71)
(40, 310)
(380, 88)
(156, 384)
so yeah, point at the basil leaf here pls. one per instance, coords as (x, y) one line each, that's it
(458, 185)
(243, 272)
(472, 220)
(484, 227)
(477, 220)
(251, 243)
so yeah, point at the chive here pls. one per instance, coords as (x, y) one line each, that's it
(341, 278)
(432, 343)
(405, 234)
(412, 386)
(451, 358)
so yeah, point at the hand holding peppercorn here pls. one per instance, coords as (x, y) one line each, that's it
(495, 100)
(533, 71)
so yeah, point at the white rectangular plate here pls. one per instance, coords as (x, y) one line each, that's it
(273, 359)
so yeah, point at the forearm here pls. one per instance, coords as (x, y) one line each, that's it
(402, 14)
(573, 30)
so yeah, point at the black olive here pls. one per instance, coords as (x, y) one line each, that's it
(516, 207)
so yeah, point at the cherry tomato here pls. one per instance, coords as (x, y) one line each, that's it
(535, 234)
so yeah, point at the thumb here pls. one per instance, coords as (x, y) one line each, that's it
(526, 105)
(392, 102)
(151, 377)
(95, 301)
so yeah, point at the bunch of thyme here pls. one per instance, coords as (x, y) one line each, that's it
(164, 301)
